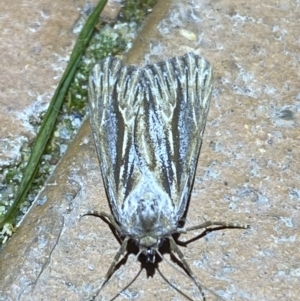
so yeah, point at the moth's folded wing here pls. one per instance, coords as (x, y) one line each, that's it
(114, 96)
(171, 121)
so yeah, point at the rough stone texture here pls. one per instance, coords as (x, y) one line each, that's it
(37, 38)
(247, 172)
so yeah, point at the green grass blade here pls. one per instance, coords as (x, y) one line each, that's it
(52, 113)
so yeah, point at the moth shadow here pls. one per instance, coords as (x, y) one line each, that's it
(164, 249)
(199, 236)
(149, 267)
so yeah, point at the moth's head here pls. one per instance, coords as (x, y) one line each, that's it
(149, 247)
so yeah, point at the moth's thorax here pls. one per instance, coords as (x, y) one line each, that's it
(148, 215)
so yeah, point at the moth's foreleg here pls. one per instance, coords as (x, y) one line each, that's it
(108, 218)
(208, 224)
(122, 250)
(175, 249)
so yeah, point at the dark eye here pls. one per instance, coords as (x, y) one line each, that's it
(150, 255)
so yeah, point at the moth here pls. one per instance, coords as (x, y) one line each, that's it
(148, 125)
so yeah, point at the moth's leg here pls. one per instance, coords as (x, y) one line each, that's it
(172, 284)
(108, 218)
(175, 249)
(208, 224)
(104, 215)
(122, 250)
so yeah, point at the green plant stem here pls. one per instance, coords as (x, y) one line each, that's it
(50, 118)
